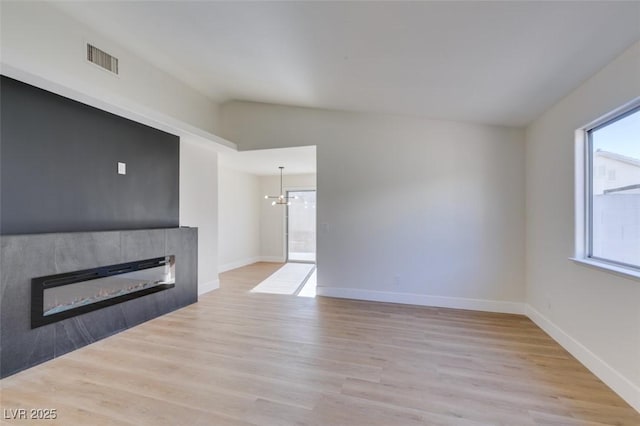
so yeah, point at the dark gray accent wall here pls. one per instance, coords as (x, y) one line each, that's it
(58, 167)
(23, 257)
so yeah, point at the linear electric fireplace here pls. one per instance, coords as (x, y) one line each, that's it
(61, 296)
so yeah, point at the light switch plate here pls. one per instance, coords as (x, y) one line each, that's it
(122, 168)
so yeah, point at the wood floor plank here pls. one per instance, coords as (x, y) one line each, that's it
(241, 358)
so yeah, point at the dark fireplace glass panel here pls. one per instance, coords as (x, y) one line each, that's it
(63, 298)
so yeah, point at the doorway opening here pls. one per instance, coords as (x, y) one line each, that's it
(298, 275)
(301, 226)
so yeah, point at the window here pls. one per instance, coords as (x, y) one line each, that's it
(612, 203)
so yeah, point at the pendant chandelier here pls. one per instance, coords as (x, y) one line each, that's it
(280, 199)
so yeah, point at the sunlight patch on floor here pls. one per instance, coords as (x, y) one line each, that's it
(286, 280)
(309, 289)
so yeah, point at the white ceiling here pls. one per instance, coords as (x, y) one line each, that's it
(265, 162)
(488, 62)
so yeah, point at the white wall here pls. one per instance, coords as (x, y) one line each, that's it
(409, 210)
(199, 206)
(37, 38)
(595, 314)
(272, 218)
(239, 218)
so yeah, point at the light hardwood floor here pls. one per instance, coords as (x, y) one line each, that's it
(238, 358)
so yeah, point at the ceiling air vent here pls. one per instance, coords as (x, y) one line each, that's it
(102, 59)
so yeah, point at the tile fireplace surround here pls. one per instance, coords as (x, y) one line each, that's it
(23, 257)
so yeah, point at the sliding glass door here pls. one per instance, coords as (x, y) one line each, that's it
(301, 227)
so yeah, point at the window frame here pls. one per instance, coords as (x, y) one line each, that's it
(584, 189)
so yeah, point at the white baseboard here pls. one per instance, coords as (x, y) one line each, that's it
(207, 287)
(423, 300)
(611, 377)
(238, 264)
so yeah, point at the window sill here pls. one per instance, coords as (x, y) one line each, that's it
(607, 267)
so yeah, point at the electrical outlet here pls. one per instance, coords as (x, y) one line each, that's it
(122, 168)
